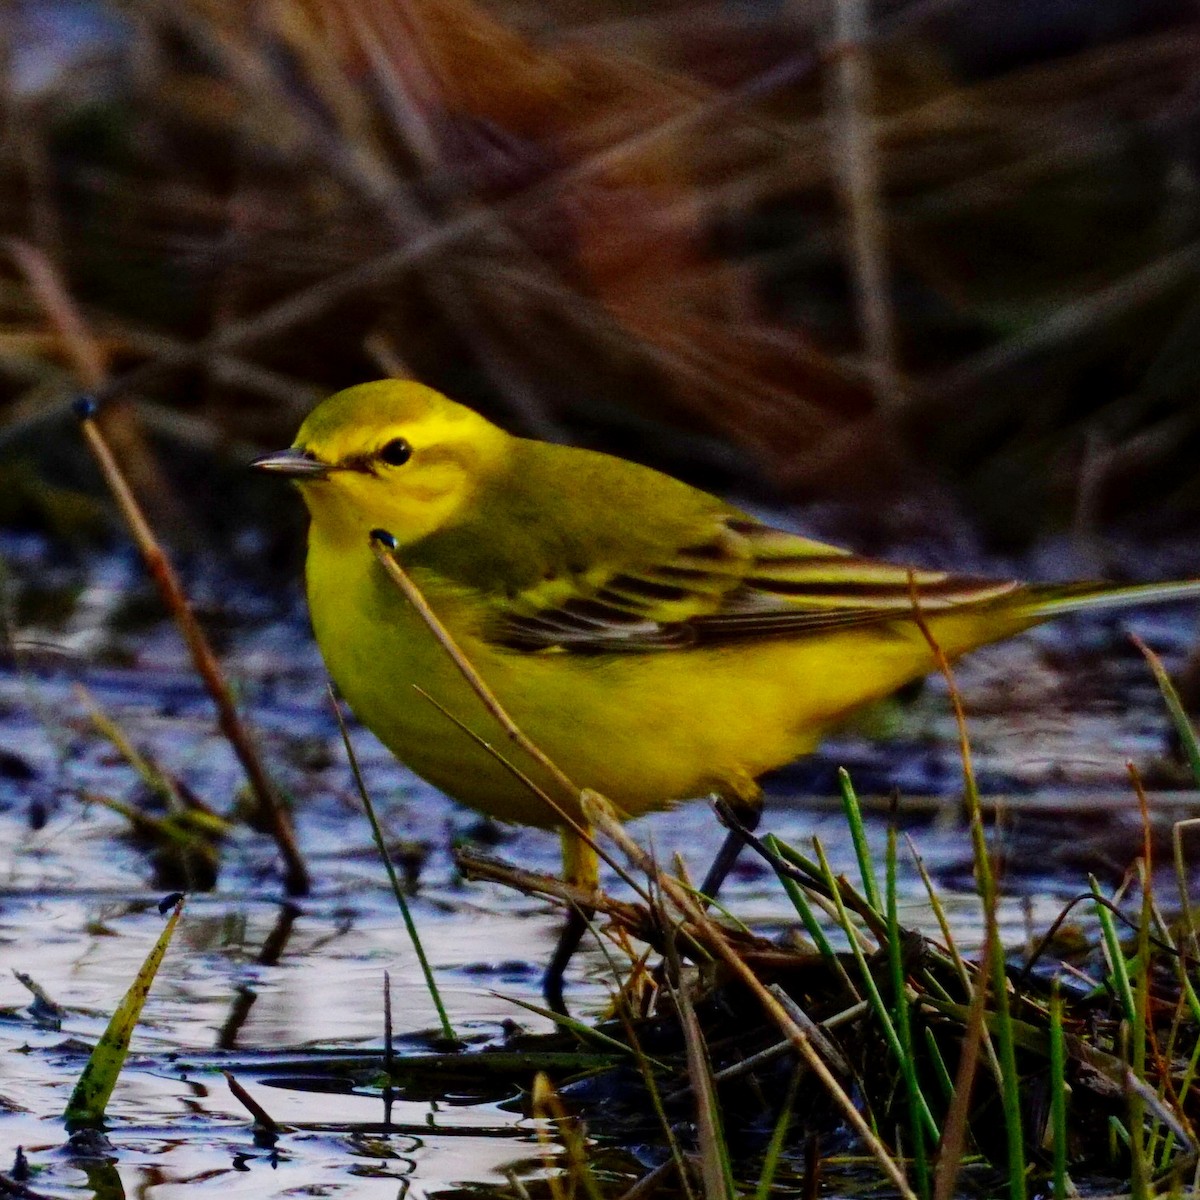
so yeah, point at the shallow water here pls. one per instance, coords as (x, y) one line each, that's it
(1054, 718)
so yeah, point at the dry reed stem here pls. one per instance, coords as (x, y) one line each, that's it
(89, 360)
(747, 1065)
(714, 1181)
(270, 806)
(46, 284)
(494, 870)
(862, 189)
(650, 1183)
(91, 367)
(595, 808)
(546, 1106)
(522, 778)
(814, 1031)
(954, 1131)
(383, 546)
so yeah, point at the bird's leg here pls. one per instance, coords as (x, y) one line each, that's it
(745, 798)
(582, 868)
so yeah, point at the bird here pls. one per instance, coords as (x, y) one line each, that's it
(655, 642)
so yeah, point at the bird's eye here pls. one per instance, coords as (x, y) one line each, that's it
(396, 452)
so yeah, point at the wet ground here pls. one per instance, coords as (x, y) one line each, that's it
(272, 991)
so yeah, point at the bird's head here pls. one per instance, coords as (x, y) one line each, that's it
(392, 455)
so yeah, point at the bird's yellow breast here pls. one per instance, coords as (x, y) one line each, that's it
(645, 729)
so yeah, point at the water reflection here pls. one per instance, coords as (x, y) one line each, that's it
(249, 974)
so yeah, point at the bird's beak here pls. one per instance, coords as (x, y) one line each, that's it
(296, 464)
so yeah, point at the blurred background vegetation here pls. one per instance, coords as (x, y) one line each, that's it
(930, 267)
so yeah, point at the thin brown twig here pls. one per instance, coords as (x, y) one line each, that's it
(92, 368)
(525, 781)
(651, 1182)
(270, 806)
(384, 546)
(1002, 1061)
(387, 1024)
(262, 1118)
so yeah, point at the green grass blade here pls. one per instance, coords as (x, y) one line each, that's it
(1141, 1167)
(397, 890)
(1118, 1133)
(878, 1007)
(1179, 717)
(766, 1177)
(1058, 1094)
(795, 894)
(1118, 969)
(858, 835)
(91, 1094)
(945, 1081)
(917, 1104)
(1006, 1053)
(1010, 1082)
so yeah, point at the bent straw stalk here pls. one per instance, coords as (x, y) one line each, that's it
(270, 805)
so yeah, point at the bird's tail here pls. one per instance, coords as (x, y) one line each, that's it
(1050, 600)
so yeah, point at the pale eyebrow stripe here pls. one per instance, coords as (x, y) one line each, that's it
(459, 453)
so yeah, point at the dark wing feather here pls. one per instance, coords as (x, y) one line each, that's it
(745, 581)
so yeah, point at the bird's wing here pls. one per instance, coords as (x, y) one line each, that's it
(744, 580)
